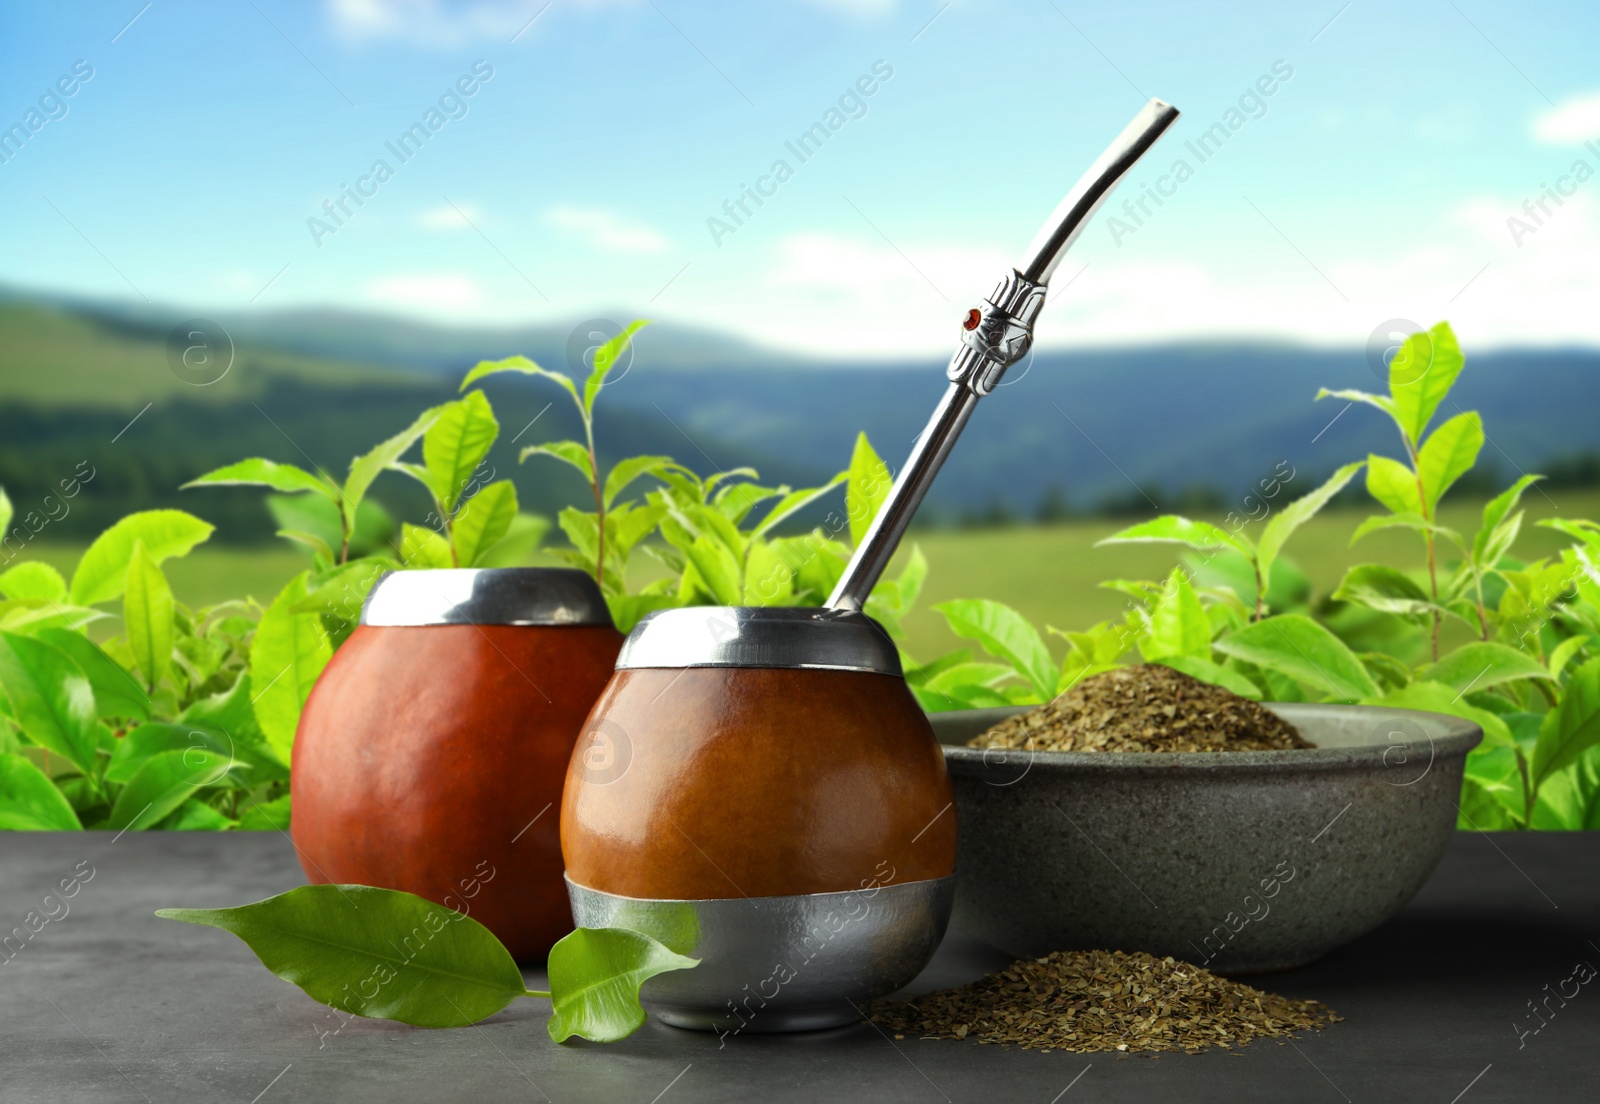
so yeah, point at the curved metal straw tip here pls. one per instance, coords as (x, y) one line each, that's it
(1092, 189)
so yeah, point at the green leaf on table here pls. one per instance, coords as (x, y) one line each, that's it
(1005, 634)
(1173, 529)
(867, 487)
(568, 452)
(483, 520)
(1178, 622)
(289, 652)
(1383, 588)
(1573, 727)
(1421, 375)
(1482, 664)
(367, 467)
(29, 801)
(456, 444)
(116, 692)
(605, 359)
(102, 571)
(285, 478)
(1216, 674)
(147, 614)
(374, 952)
(1296, 646)
(1393, 484)
(595, 975)
(165, 781)
(51, 699)
(33, 579)
(1449, 453)
(1283, 524)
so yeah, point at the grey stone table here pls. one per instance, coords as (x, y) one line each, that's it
(107, 1003)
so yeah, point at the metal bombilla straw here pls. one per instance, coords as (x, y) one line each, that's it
(994, 336)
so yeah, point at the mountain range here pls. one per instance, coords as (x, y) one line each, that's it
(1130, 425)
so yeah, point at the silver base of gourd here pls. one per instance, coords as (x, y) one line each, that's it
(770, 964)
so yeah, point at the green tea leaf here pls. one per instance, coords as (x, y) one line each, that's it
(1563, 653)
(484, 519)
(33, 579)
(568, 452)
(595, 976)
(1435, 697)
(868, 486)
(375, 952)
(6, 510)
(267, 816)
(232, 714)
(1421, 375)
(1178, 622)
(50, 698)
(165, 781)
(1494, 515)
(521, 541)
(147, 613)
(717, 568)
(1297, 513)
(367, 467)
(456, 444)
(1173, 529)
(29, 801)
(194, 815)
(625, 472)
(1214, 673)
(1450, 453)
(1005, 634)
(116, 692)
(423, 548)
(1482, 664)
(793, 502)
(266, 473)
(102, 572)
(1382, 402)
(1296, 646)
(144, 743)
(605, 358)
(1573, 727)
(526, 367)
(1393, 484)
(1408, 520)
(289, 652)
(1383, 588)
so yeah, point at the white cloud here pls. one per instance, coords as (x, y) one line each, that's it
(604, 230)
(440, 291)
(448, 217)
(431, 23)
(1572, 123)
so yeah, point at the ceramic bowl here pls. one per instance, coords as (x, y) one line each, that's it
(1241, 862)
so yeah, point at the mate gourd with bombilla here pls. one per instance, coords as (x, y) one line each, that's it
(758, 786)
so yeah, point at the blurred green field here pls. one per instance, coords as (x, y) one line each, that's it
(1050, 573)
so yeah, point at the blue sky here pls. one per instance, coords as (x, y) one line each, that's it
(1375, 182)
